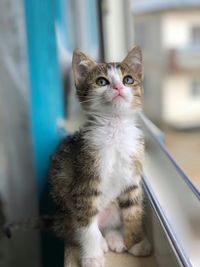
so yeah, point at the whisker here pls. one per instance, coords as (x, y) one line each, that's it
(89, 99)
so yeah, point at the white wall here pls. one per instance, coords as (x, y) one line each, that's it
(179, 107)
(176, 27)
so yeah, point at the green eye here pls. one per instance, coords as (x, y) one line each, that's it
(128, 80)
(101, 81)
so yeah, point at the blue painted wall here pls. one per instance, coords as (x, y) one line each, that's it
(46, 92)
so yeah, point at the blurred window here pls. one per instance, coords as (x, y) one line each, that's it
(195, 35)
(140, 34)
(64, 14)
(77, 26)
(195, 88)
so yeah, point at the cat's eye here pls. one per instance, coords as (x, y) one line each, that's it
(128, 80)
(101, 81)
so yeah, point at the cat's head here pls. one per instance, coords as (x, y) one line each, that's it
(110, 88)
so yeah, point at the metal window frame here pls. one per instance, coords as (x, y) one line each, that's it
(179, 189)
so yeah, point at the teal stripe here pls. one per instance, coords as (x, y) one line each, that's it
(46, 92)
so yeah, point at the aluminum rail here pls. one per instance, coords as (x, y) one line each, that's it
(175, 198)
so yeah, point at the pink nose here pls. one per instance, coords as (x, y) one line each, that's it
(117, 86)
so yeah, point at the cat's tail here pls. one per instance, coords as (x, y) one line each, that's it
(59, 223)
(42, 223)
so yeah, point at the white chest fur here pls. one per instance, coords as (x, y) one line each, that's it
(117, 142)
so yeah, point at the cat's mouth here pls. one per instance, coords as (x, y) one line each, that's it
(119, 96)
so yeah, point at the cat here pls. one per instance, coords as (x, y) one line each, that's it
(96, 173)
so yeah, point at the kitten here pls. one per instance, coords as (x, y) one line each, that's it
(96, 173)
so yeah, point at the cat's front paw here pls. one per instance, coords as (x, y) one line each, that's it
(93, 262)
(115, 241)
(142, 248)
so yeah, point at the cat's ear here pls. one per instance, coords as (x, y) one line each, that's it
(81, 65)
(134, 61)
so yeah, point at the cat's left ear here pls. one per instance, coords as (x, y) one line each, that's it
(134, 61)
(81, 65)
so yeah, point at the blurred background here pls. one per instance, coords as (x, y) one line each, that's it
(37, 96)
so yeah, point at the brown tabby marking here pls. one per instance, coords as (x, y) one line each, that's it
(132, 218)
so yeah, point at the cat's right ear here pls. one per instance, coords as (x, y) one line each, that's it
(81, 65)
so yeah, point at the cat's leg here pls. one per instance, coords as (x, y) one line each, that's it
(90, 240)
(109, 221)
(85, 209)
(110, 217)
(131, 204)
(88, 234)
(115, 240)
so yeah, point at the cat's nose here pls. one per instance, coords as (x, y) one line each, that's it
(117, 86)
